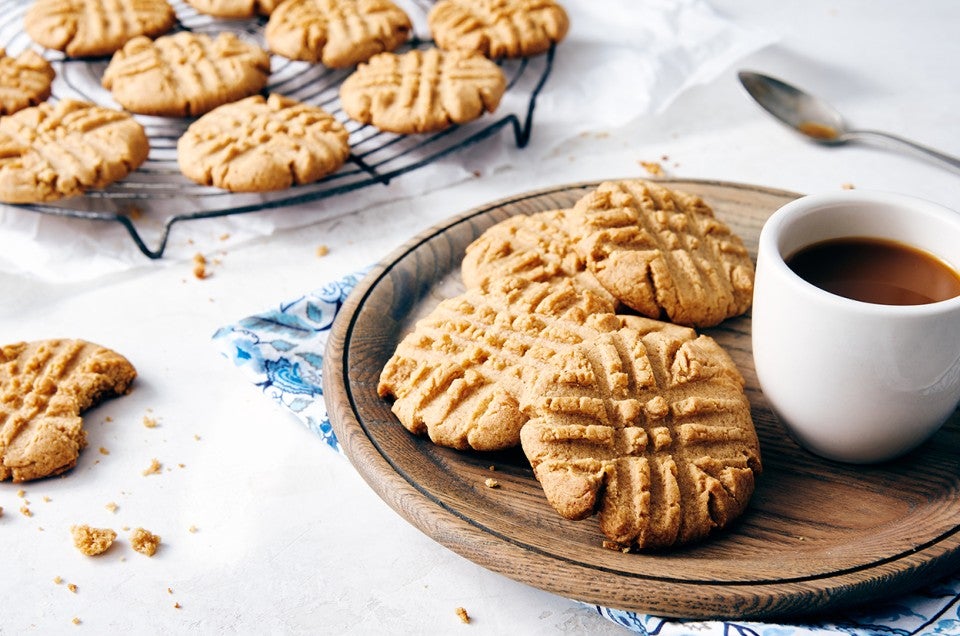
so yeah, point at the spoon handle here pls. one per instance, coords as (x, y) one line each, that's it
(949, 160)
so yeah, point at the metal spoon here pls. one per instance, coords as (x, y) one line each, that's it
(816, 119)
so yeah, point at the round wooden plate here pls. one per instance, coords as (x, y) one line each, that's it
(817, 535)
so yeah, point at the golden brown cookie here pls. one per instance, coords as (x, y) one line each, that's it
(647, 426)
(535, 247)
(185, 74)
(459, 375)
(498, 28)
(44, 387)
(338, 33)
(662, 252)
(257, 144)
(53, 151)
(235, 9)
(422, 90)
(83, 28)
(24, 81)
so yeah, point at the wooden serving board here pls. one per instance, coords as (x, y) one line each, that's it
(816, 537)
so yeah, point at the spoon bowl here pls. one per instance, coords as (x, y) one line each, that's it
(817, 120)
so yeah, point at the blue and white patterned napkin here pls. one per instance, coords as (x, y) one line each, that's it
(281, 351)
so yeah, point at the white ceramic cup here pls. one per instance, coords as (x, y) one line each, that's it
(854, 381)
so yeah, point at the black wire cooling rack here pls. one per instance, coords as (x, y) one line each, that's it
(157, 196)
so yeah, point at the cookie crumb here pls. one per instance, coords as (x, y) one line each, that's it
(92, 541)
(144, 542)
(76, 620)
(322, 250)
(58, 580)
(653, 168)
(489, 482)
(177, 605)
(196, 438)
(47, 499)
(72, 587)
(26, 512)
(112, 506)
(847, 186)
(192, 529)
(1, 511)
(225, 236)
(462, 613)
(200, 266)
(150, 422)
(21, 493)
(169, 590)
(154, 468)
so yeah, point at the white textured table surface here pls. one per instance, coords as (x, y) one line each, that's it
(288, 538)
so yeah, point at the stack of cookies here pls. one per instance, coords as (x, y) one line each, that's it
(574, 340)
(243, 141)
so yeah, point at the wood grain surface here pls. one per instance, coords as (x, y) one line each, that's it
(818, 535)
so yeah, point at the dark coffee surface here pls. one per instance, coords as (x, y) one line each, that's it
(876, 271)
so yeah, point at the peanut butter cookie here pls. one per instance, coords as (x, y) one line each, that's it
(459, 375)
(662, 252)
(498, 28)
(257, 144)
(185, 74)
(422, 90)
(44, 387)
(87, 28)
(24, 81)
(53, 151)
(647, 426)
(535, 247)
(235, 9)
(338, 33)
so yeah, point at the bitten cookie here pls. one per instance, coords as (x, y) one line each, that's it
(646, 425)
(338, 33)
(24, 81)
(235, 9)
(44, 387)
(535, 247)
(662, 252)
(83, 28)
(257, 144)
(498, 28)
(49, 152)
(459, 375)
(422, 90)
(185, 74)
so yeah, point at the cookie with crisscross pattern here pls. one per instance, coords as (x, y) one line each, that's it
(459, 375)
(259, 144)
(24, 81)
(422, 90)
(662, 252)
(338, 33)
(498, 28)
(536, 247)
(185, 74)
(44, 387)
(646, 425)
(53, 151)
(82, 28)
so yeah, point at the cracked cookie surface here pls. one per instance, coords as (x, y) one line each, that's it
(44, 388)
(259, 144)
(662, 252)
(185, 74)
(498, 28)
(54, 151)
(24, 81)
(422, 90)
